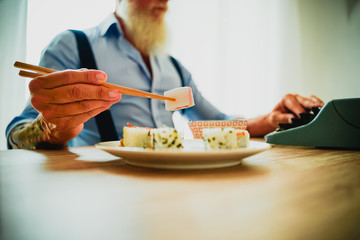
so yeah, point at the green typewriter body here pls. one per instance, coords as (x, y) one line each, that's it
(335, 125)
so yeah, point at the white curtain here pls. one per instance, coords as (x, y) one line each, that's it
(13, 16)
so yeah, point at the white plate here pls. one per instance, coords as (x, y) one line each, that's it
(192, 156)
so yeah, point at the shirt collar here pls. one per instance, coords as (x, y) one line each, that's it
(110, 25)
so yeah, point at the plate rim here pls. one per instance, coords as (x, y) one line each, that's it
(194, 159)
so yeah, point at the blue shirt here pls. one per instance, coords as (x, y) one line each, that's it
(124, 66)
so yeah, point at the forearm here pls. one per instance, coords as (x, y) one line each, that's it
(260, 126)
(34, 135)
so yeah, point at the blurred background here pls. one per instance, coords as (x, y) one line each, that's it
(243, 54)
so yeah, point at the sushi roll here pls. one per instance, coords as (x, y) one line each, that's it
(242, 138)
(151, 138)
(166, 138)
(225, 138)
(137, 137)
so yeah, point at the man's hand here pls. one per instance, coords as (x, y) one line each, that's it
(67, 99)
(290, 106)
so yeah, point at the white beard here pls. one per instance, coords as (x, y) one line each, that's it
(149, 35)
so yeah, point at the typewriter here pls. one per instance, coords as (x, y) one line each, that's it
(335, 125)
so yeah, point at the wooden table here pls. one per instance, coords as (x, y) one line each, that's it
(85, 193)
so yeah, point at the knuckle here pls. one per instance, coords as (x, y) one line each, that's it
(272, 117)
(67, 75)
(75, 92)
(100, 92)
(86, 105)
(289, 96)
(290, 99)
(87, 76)
(272, 120)
(106, 105)
(36, 101)
(33, 85)
(90, 113)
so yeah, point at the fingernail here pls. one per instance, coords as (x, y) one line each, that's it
(100, 76)
(113, 93)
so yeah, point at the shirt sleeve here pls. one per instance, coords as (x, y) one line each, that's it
(60, 54)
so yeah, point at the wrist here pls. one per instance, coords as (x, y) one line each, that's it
(35, 135)
(260, 126)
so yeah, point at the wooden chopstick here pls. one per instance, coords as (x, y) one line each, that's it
(40, 71)
(30, 74)
(34, 68)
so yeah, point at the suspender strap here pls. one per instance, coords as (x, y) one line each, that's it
(104, 120)
(176, 65)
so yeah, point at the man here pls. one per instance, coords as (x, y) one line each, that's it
(129, 47)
